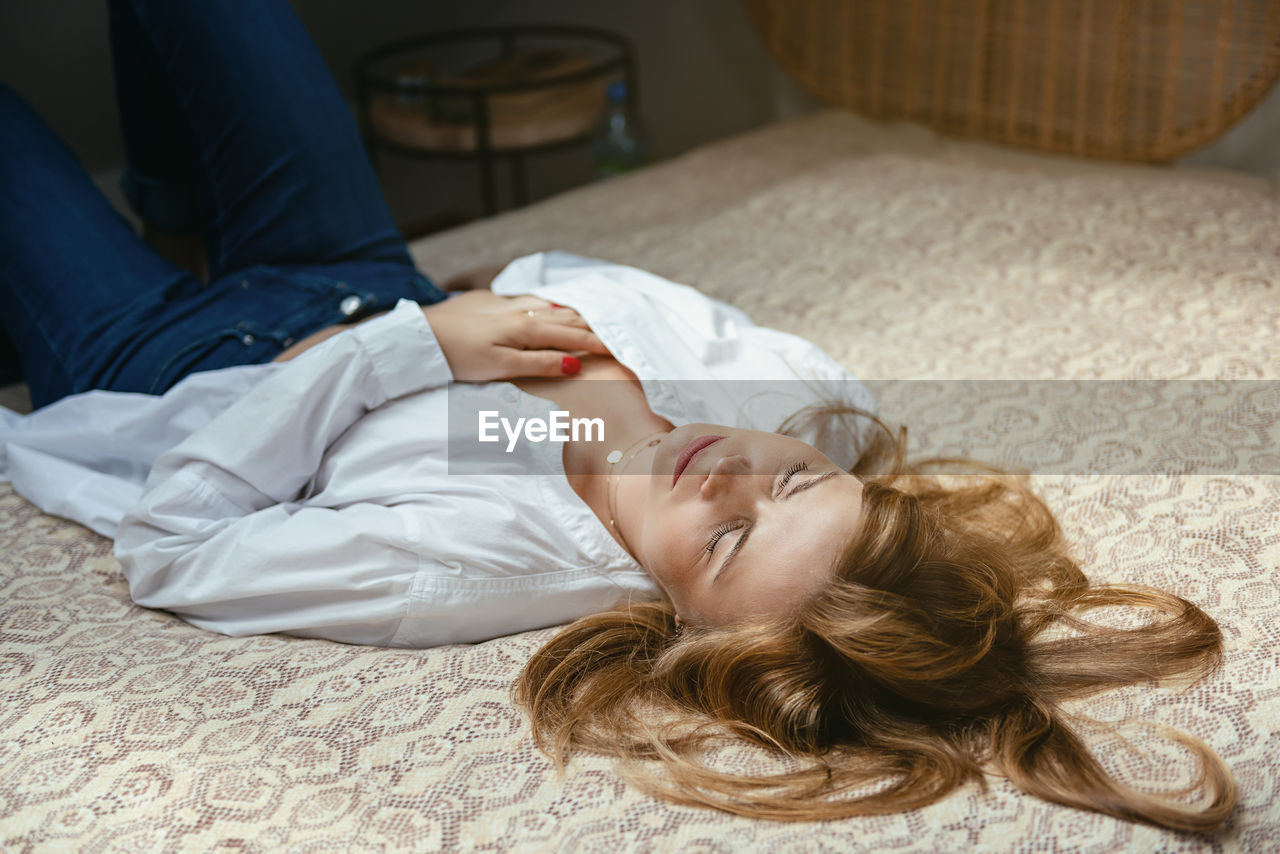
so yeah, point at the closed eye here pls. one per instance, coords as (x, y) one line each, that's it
(746, 535)
(721, 530)
(792, 470)
(812, 482)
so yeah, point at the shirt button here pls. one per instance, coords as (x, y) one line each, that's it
(350, 305)
(248, 339)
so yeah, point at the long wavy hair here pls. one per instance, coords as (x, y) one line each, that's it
(944, 648)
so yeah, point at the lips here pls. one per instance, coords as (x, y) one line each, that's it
(690, 451)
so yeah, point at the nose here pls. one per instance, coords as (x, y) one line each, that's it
(725, 473)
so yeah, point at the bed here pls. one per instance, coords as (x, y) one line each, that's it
(966, 279)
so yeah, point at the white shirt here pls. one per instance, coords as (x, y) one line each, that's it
(314, 496)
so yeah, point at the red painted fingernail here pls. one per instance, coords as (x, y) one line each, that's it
(570, 365)
(556, 305)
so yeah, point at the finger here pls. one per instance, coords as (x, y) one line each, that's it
(540, 334)
(562, 337)
(527, 303)
(566, 316)
(541, 363)
(537, 306)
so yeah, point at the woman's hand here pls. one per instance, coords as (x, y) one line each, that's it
(488, 337)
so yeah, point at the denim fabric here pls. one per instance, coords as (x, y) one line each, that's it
(233, 128)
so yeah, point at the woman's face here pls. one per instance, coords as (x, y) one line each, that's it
(735, 524)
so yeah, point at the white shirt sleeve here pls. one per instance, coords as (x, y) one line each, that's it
(221, 534)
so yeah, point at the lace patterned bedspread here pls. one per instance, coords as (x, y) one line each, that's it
(908, 258)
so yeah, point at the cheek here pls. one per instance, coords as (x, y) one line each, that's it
(665, 547)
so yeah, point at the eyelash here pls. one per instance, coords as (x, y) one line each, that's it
(794, 469)
(720, 532)
(727, 527)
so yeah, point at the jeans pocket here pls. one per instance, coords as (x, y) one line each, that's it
(247, 343)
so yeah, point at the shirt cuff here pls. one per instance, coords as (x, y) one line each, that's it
(403, 349)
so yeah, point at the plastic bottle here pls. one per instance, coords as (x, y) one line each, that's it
(619, 143)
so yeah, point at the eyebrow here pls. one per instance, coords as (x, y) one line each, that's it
(742, 541)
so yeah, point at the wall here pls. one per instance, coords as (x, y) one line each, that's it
(703, 75)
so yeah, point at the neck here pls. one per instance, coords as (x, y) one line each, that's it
(598, 483)
(606, 390)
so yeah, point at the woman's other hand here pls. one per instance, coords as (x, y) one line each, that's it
(487, 337)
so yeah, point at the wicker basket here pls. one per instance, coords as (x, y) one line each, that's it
(1115, 79)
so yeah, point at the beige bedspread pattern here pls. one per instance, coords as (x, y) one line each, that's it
(906, 257)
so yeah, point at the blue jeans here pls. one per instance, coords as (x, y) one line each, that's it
(233, 128)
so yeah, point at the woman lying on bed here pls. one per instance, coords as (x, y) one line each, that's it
(299, 446)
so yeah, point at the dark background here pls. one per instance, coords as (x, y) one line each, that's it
(703, 75)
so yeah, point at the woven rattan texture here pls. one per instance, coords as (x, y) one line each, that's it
(1112, 79)
(905, 256)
